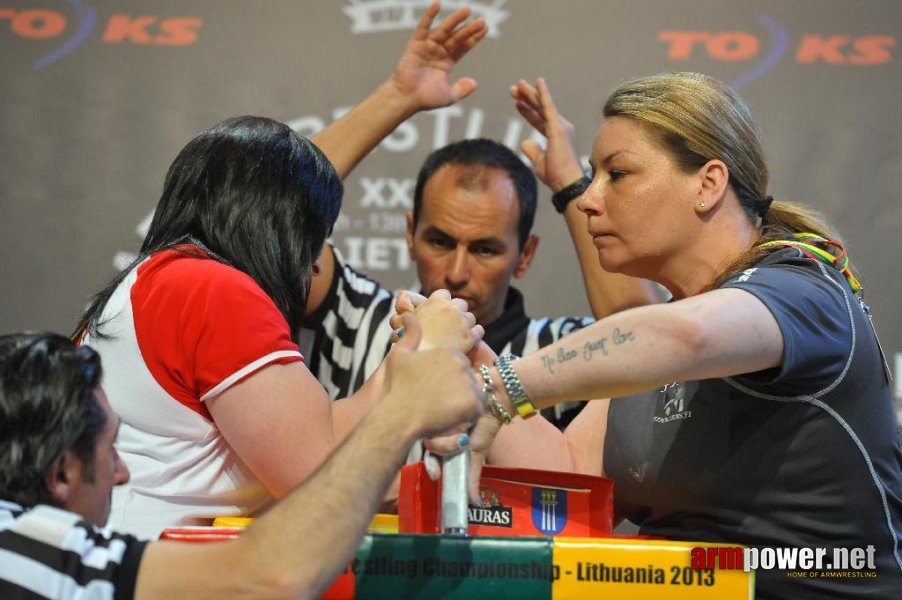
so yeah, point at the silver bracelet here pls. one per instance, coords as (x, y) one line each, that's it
(491, 401)
(518, 397)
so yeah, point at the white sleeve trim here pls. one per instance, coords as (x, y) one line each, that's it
(247, 370)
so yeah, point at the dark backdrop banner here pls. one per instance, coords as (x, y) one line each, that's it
(99, 95)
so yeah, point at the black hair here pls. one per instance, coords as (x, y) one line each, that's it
(484, 153)
(253, 194)
(48, 406)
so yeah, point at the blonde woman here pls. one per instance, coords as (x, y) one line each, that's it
(754, 407)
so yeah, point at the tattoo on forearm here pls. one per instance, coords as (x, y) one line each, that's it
(591, 349)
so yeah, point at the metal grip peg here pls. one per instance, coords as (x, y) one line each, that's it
(455, 520)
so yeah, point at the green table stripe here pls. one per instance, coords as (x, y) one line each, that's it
(434, 566)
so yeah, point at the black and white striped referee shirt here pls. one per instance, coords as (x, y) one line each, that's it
(46, 552)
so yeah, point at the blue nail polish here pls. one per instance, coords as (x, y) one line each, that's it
(399, 332)
(463, 440)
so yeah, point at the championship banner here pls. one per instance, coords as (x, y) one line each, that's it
(432, 566)
(641, 570)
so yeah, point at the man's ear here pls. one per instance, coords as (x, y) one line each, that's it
(714, 180)
(410, 232)
(61, 476)
(321, 281)
(529, 252)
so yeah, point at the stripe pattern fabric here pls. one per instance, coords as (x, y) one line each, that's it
(47, 552)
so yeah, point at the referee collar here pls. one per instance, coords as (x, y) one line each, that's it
(512, 321)
(11, 507)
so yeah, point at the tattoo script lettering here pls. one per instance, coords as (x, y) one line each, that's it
(622, 337)
(595, 346)
(591, 349)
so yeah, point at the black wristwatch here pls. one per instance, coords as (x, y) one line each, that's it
(562, 198)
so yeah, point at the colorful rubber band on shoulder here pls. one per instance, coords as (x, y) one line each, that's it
(837, 258)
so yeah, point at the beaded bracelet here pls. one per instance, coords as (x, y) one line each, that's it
(516, 393)
(491, 400)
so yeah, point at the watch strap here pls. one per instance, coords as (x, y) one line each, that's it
(562, 198)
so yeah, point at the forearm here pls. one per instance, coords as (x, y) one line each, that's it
(537, 444)
(717, 334)
(295, 549)
(585, 437)
(301, 543)
(419, 81)
(348, 413)
(532, 444)
(349, 139)
(619, 355)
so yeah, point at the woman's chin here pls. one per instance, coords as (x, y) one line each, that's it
(609, 262)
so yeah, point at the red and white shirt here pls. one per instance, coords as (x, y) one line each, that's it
(181, 330)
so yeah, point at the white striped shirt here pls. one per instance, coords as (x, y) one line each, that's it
(47, 552)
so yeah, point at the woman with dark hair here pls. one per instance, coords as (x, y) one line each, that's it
(219, 413)
(754, 407)
(255, 195)
(197, 333)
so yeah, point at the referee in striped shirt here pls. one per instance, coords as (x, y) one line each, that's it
(470, 232)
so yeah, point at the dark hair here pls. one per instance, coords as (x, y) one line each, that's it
(698, 118)
(482, 153)
(48, 406)
(255, 195)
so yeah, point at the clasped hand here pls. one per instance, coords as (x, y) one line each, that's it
(445, 321)
(435, 314)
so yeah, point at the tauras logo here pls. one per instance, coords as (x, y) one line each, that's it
(498, 516)
(375, 16)
(490, 511)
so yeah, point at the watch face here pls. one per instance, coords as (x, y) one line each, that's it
(515, 392)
